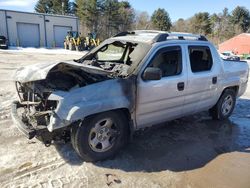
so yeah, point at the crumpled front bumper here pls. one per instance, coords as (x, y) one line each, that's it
(29, 132)
(41, 133)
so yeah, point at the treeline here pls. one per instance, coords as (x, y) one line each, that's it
(108, 17)
(105, 17)
(217, 27)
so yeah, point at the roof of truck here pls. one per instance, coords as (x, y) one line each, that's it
(154, 36)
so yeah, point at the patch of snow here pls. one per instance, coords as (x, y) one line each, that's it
(13, 49)
(247, 92)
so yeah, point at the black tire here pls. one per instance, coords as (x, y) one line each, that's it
(217, 111)
(81, 136)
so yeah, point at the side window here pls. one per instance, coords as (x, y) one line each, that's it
(169, 60)
(200, 58)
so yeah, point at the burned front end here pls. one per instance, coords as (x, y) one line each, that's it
(55, 96)
(34, 111)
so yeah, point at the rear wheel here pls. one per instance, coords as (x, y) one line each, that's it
(225, 106)
(100, 136)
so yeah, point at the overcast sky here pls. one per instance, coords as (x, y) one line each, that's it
(176, 8)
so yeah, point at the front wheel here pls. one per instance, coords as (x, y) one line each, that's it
(225, 106)
(101, 136)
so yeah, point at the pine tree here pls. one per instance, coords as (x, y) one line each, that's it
(200, 23)
(105, 17)
(60, 6)
(44, 6)
(89, 13)
(53, 6)
(111, 16)
(241, 17)
(126, 16)
(161, 20)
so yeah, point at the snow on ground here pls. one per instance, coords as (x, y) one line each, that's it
(247, 93)
(41, 50)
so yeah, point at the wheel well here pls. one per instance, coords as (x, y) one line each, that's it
(127, 114)
(125, 111)
(211, 110)
(235, 88)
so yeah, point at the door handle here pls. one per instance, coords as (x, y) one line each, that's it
(180, 86)
(214, 80)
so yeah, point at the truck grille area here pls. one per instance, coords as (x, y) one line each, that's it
(35, 109)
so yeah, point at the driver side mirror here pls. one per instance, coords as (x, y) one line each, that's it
(152, 73)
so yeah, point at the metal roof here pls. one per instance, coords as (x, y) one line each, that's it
(239, 44)
(44, 14)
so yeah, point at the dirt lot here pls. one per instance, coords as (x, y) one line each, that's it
(190, 152)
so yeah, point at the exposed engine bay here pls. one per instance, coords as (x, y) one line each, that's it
(34, 96)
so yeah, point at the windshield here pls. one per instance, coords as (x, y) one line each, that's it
(121, 57)
(111, 53)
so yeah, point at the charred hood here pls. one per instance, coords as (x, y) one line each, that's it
(41, 71)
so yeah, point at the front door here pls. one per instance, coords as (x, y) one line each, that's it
(162, 100)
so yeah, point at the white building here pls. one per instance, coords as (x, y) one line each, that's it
(36, 30)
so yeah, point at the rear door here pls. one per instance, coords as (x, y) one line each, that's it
(162, 100)
(203, 78)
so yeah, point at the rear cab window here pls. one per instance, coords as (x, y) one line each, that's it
(200, 58)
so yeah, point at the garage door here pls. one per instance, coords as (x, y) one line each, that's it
(28, 35)
(60, 33)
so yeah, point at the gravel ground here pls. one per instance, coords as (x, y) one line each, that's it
(194, 151)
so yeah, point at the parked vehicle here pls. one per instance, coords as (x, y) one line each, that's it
(131, 81)
(229, 55)
(248, 59)
(3, 42)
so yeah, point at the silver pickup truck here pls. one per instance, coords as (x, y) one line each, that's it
(131, 81)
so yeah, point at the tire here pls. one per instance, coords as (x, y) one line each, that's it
(66, 46)
(225, 105)
(71, 46)
(77, 48)
(101, 136)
